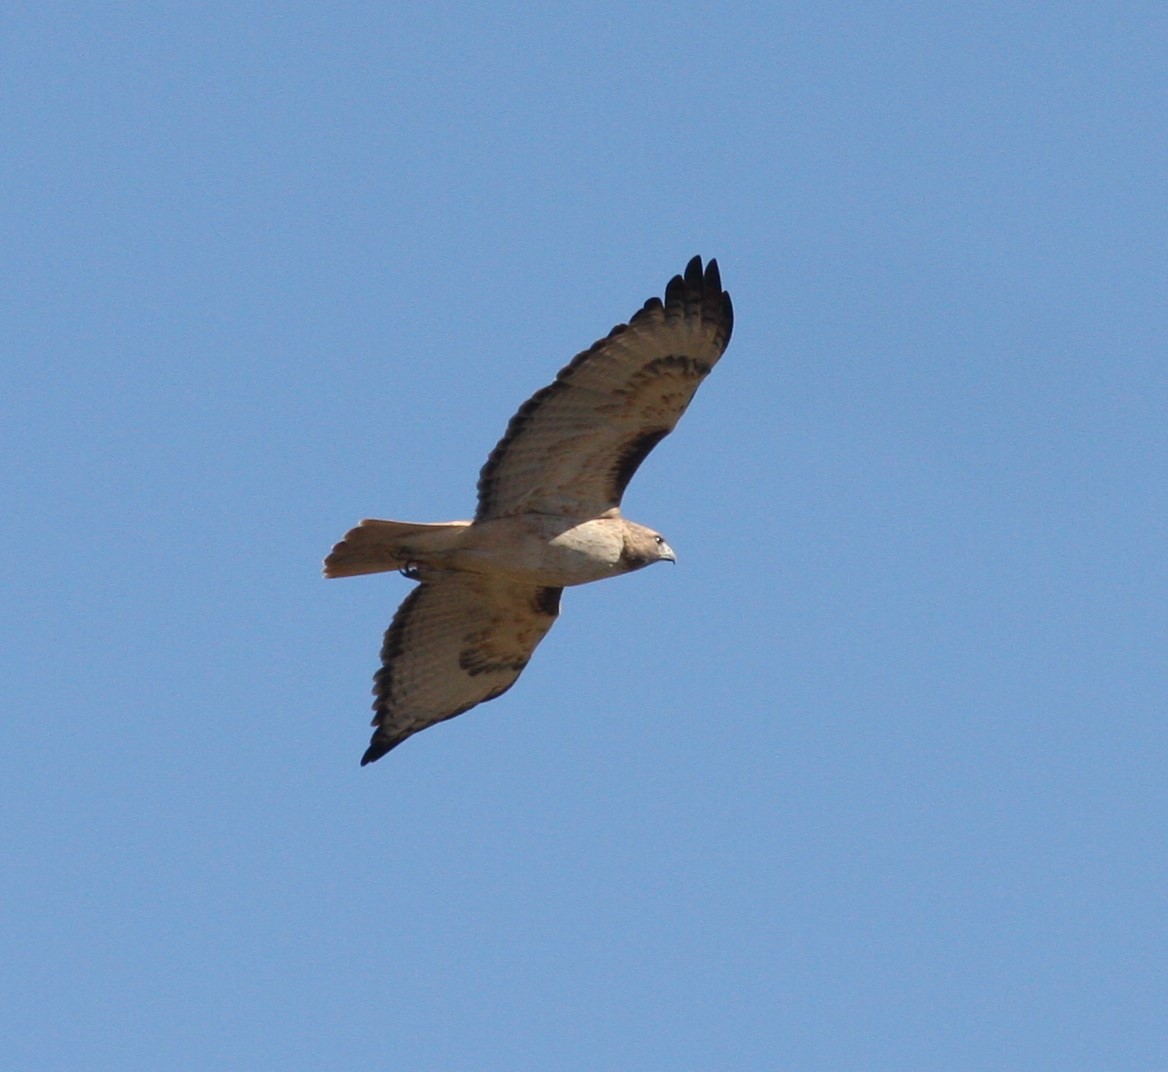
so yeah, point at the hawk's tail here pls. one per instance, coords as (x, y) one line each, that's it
(379, 546)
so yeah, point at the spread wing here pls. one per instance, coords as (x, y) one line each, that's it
(457, 640)
(573, 446)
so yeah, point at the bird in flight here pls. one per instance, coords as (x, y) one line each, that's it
(548, 514)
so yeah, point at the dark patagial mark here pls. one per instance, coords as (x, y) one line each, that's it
(547, 601)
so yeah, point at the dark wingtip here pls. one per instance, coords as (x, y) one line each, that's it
(709, 284)
(378, 746)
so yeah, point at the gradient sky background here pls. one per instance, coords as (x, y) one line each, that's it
(874, 779)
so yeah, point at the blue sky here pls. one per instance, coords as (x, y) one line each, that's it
(874, 779)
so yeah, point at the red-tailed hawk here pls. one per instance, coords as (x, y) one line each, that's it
(548, 514)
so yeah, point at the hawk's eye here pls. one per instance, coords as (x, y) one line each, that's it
(659, 540)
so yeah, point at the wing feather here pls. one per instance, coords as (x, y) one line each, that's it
(456, 641)
(573, 447)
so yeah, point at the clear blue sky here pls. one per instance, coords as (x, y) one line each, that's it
(873, 780)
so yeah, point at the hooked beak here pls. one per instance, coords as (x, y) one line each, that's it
(666, 553)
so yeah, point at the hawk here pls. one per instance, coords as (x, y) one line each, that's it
(548, 514)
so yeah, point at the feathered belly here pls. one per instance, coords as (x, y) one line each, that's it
(542, 550)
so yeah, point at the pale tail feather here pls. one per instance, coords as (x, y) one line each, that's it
(379, 546)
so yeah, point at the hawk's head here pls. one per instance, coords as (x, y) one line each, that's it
(642, 547)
